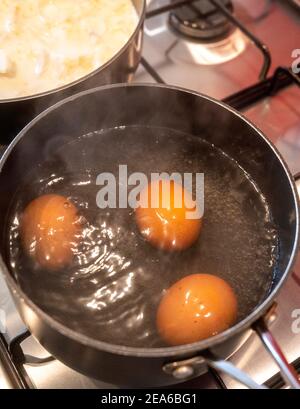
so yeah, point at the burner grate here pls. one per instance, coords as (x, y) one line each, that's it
(201, 21)
(227, 13)
(282, 78)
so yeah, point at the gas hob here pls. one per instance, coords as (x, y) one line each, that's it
(223, 55)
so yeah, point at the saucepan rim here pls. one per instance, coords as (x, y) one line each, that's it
(163, 351)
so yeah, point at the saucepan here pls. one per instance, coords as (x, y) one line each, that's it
(16, 112)
(146, 117)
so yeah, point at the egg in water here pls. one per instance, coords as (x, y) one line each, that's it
(196, 307)
(163, 221)
(50, 230)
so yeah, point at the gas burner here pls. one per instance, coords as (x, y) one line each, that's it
(219, 52)
(201, 21)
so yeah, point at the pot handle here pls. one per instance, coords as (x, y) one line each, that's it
(287, 370)
(235, 373)
(192, 367)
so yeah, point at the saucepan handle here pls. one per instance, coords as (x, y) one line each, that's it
(194, 366)
(231, 370)
(288, 372)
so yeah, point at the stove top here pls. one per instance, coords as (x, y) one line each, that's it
(228, 60)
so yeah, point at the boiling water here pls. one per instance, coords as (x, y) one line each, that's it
(112, 289)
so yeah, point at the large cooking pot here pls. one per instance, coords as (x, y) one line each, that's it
(174, 109)
(15, 113)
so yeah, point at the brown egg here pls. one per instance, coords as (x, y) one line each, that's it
(50, 226)
(195, 308)
(166, 226)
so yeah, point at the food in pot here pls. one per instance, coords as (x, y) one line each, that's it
(163, 219)
(46, 44)
(111, 288)
(50, 226)
(196, 307)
